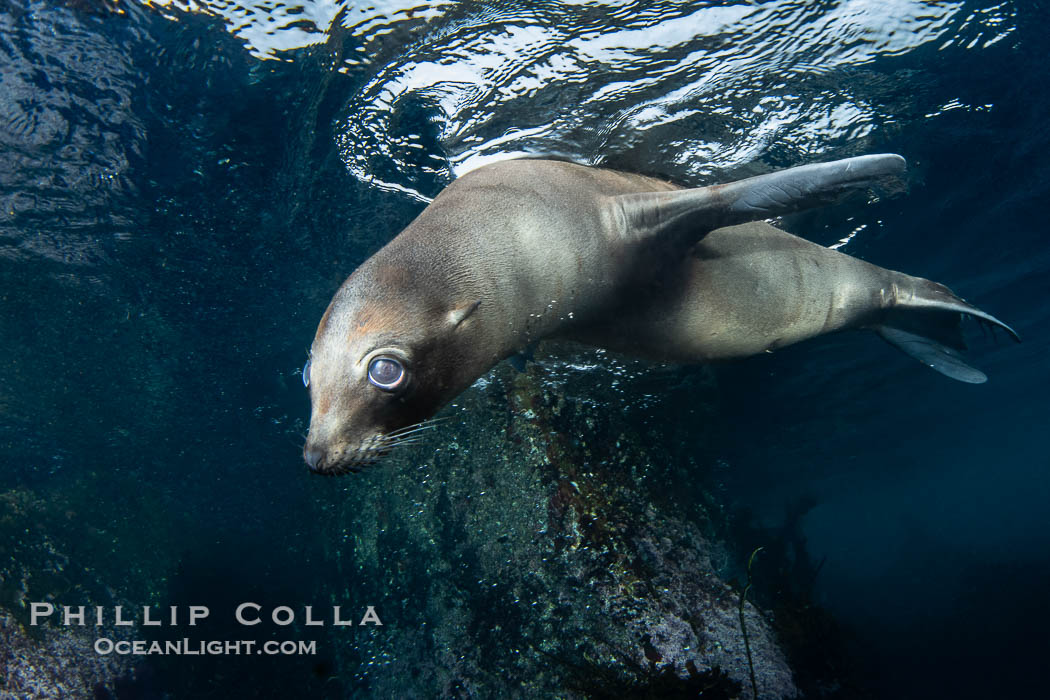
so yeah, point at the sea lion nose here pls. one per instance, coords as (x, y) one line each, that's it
(314, 456)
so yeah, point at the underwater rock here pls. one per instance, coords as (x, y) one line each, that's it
(55, 663)
(59, 547)
(537, 548)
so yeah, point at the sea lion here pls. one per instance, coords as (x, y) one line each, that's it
(525, 250)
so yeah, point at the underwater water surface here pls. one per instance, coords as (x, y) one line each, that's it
(183, 186)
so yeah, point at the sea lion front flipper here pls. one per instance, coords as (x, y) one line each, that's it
(520, 360)
(693, 213)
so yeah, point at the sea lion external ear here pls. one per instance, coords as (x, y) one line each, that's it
(458, 316)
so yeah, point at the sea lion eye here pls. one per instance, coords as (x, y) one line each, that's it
(306, 374)
(386, 372)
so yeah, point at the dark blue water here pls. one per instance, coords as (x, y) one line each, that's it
(178, 207)
(928, 500)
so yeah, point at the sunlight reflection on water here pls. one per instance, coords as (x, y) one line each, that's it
(700, 88)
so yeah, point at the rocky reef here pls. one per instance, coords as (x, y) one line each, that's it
(547, 544)
(555, 536)
(47, 661)
(54, 664)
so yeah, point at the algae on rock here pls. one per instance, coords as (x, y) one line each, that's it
(542, 545)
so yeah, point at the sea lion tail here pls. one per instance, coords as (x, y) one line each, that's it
(928, 326)
(692, 213)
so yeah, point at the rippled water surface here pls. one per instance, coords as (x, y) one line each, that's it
(184, 184)
(702, 89)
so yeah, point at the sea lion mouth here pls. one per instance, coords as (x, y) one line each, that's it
(343, 460)
(340, 461)
(351, 465)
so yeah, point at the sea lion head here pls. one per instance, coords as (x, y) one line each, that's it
(387, 355)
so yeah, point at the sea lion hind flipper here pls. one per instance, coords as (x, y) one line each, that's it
(692, 213)
(928, 326)
(934, 355)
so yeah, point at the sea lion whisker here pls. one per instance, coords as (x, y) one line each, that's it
(409, 429)
(428, 423)
(410, 426)
(432, 421)
(406, 433)
(389, 442)
(403, 431)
